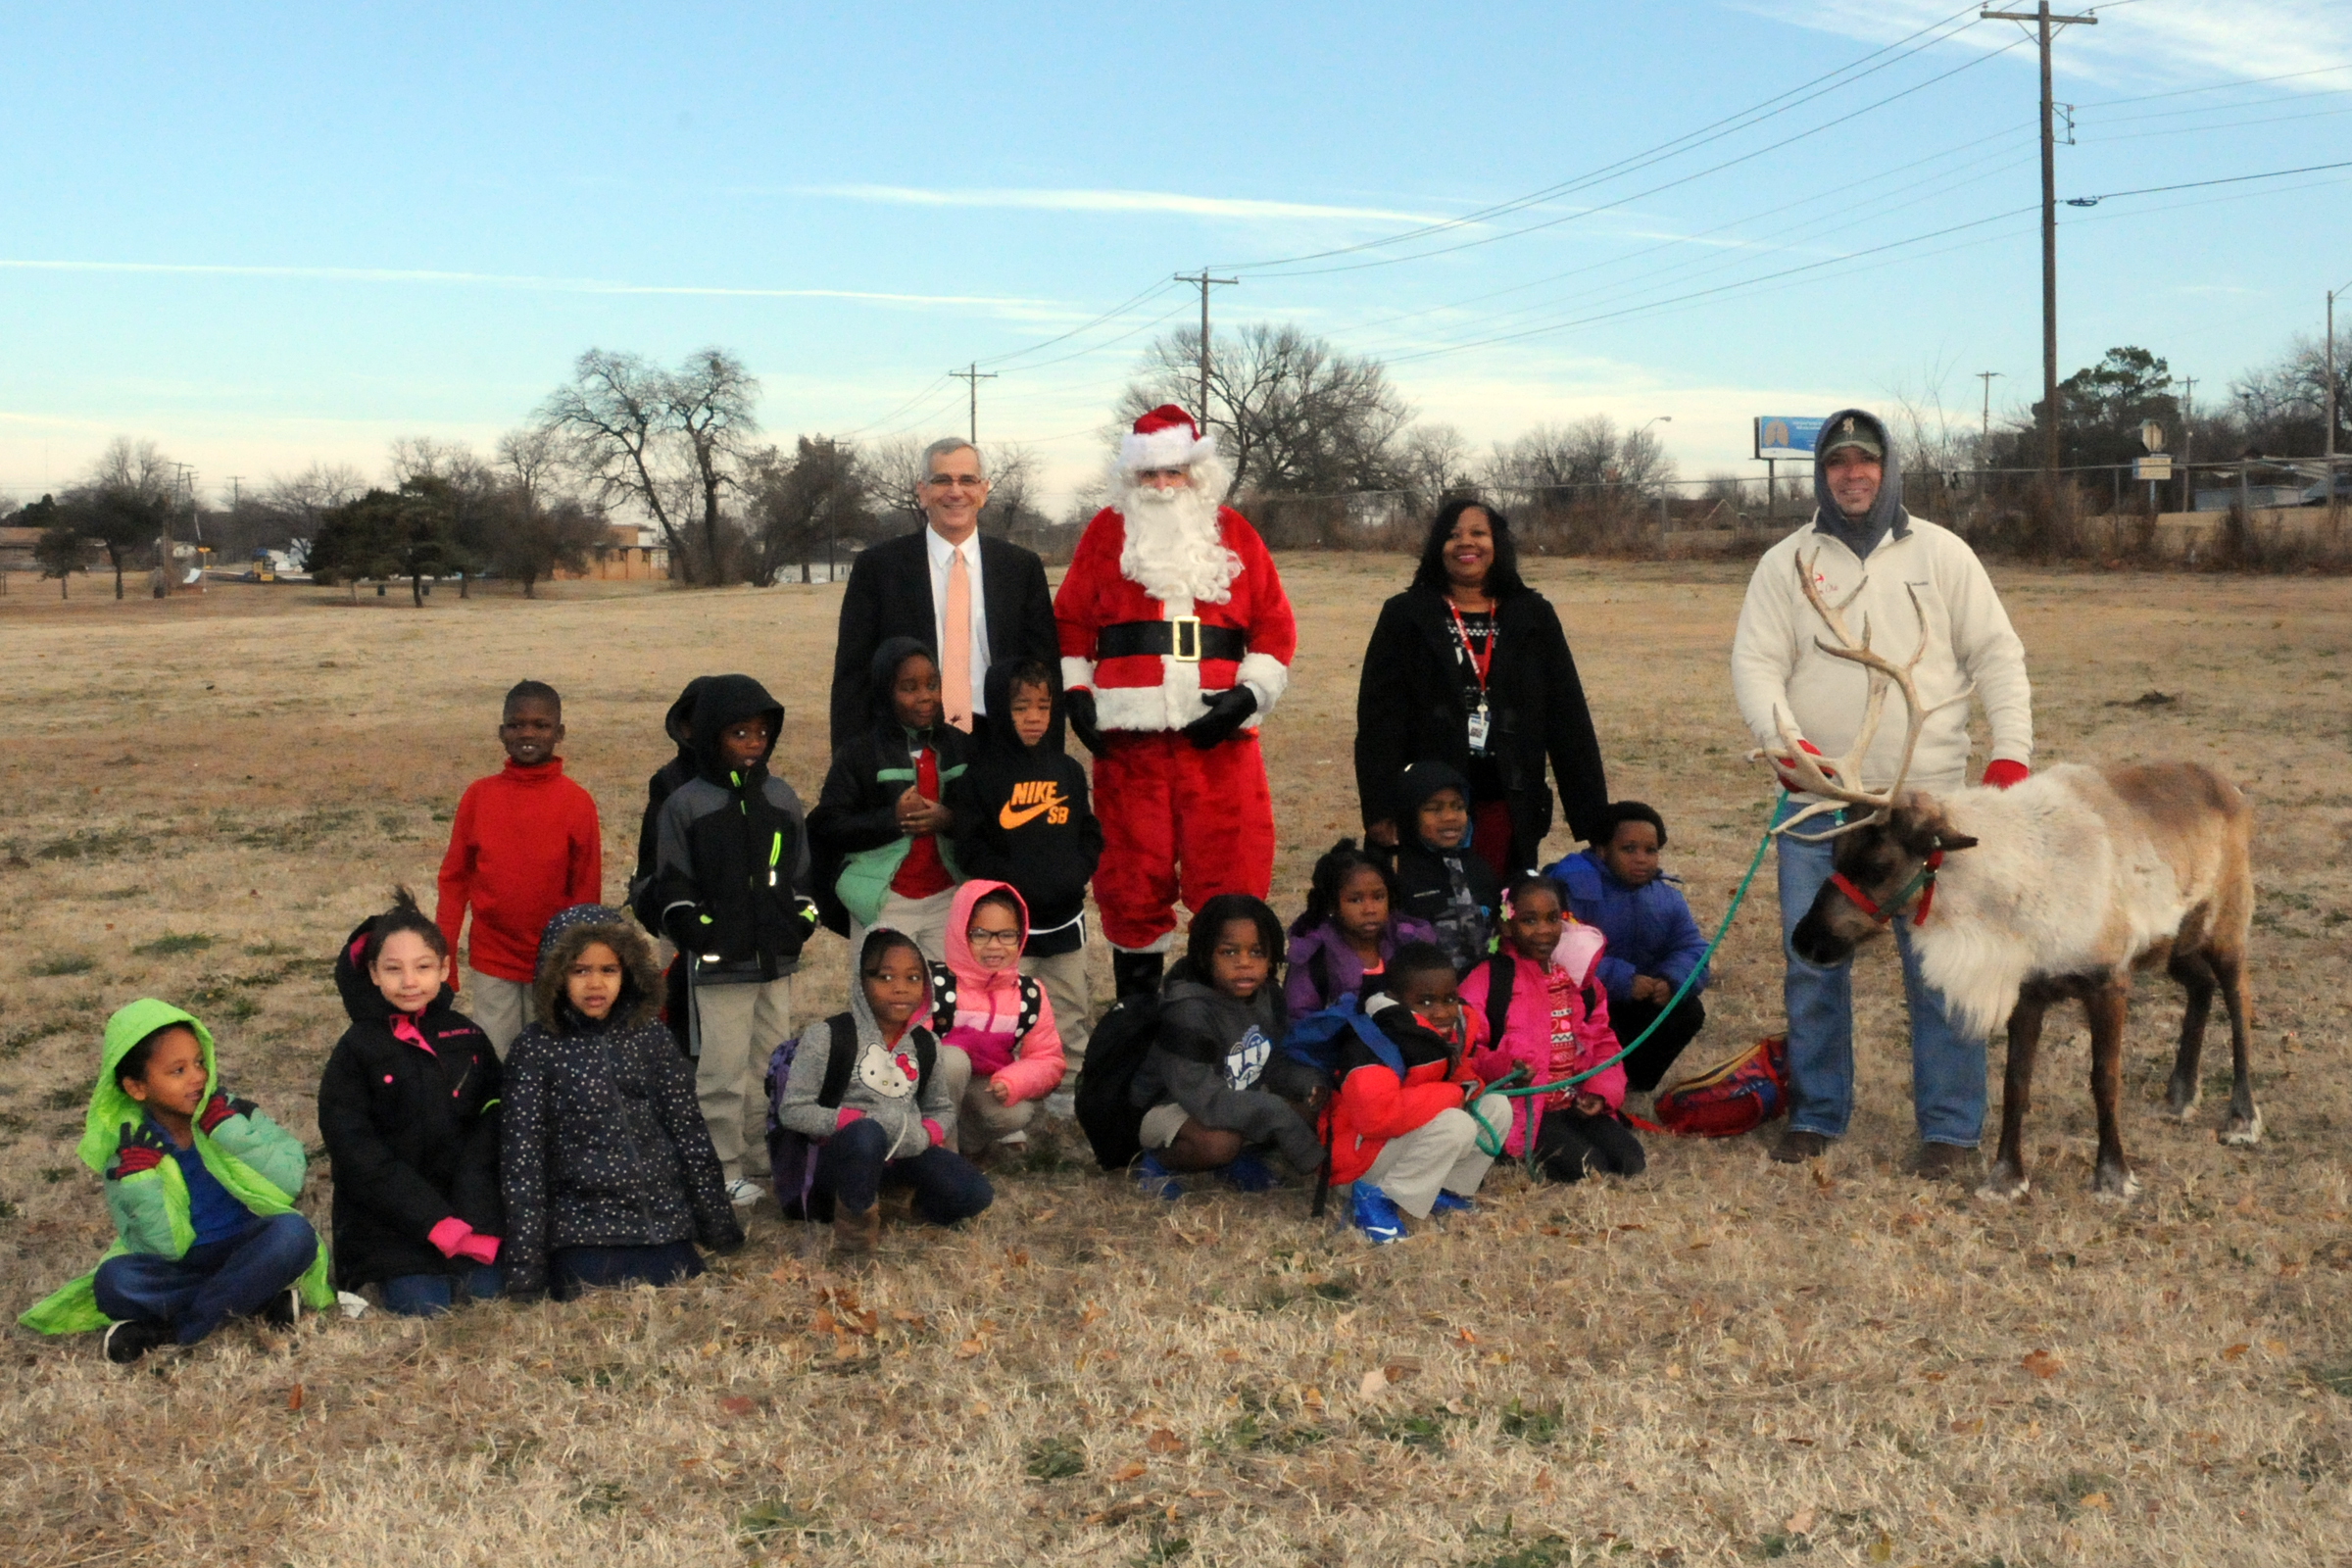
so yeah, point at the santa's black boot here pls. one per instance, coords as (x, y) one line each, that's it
(1136, 973)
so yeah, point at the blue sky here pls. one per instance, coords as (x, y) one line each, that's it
(263, 234)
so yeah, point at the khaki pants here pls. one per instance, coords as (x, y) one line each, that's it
(924, 919)
(979, 1120)
(501, 1007)
(1062, 978)
(1442, 1153)
(737, 1026)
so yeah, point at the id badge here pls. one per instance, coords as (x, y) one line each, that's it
(1478, 731)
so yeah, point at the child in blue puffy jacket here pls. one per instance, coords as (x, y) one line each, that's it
(1654, 945)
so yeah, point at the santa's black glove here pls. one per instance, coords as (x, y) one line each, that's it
(1227, 712)
(685, 927)
(1079, 708)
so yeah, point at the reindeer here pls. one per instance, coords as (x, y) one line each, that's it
(2070, 880)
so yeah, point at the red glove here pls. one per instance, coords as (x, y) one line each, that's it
(939, 1134)
(139, 1148)
(449, 1235)
(220, 1109)
(2001, 772)
(479, 1249)
(1787, 781)
(846, 1117)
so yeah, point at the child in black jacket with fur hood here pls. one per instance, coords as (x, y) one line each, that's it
(609, 1173)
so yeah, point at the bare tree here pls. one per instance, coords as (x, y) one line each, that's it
(799, 505)
(893, 475)
(1434, 461)
(128, 500)
(300, 500)
(1013, 473)
(531, 539)
(710, 401)
(530, 458)
(1295, 413)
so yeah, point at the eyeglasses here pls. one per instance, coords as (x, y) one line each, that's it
(992, 938)
(956, 482)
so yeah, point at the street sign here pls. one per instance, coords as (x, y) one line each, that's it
(2153, 468)
(2151, 435)
(1786, 436)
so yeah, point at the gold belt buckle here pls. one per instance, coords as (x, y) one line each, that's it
(1178, 627)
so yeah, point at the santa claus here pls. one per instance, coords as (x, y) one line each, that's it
(1176, 641)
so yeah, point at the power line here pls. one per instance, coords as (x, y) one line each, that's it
(2215, 86)
(2199, 185)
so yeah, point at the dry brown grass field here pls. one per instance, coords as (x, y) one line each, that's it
(1722, 1361)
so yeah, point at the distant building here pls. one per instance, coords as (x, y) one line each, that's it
(629, 554)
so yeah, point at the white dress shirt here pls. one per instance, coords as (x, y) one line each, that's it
(940, 553)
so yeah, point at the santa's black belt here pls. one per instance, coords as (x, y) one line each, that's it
(1180, 637)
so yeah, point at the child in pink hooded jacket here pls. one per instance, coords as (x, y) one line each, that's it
(1001, 1051)
(1556, 1026)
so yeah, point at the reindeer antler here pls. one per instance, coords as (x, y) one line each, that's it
(1839, 781)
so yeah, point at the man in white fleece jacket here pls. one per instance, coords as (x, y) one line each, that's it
(1861, 535)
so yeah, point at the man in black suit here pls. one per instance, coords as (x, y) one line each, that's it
(903, 587)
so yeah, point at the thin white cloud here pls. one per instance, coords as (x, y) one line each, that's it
(2187, 41)
(1024, 308)
(1115, 201)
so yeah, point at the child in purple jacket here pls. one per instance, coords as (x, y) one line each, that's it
(1654, 943)
(1348, 933)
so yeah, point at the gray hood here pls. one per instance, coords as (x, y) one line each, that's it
(1887, 515)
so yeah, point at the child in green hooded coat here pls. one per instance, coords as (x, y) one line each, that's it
(201, 1187)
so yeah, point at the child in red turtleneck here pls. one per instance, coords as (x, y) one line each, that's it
(524, 844)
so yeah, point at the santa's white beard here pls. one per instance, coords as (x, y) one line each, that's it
(1173, 549)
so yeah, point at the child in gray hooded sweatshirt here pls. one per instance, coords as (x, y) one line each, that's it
(886, 1119)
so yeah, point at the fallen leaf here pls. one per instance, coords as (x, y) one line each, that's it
(710, 1349)
(1673, 1373)
(1966, 1427)
(1800, 1523)
(1126, 1473)
(1882, 1549)
(1401, 1371)
(1018, 1258)
(735, 1405)
(2274, 1346)
(913, 1320)
(1092, 1314)
(1163, 1441)
(823, 1323)
(2097, 1499)
(980, 1408)
(1374, 1381)
(1934, 1376)
(1465, 1335)
(969, 1348)
(2235, 1352)
(2042, 1365)
(1229, 1355)
(294, 1397)
(1043, 1215)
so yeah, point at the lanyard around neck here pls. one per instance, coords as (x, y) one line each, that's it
(1480, 663)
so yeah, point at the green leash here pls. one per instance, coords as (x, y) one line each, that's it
(1491, 1143)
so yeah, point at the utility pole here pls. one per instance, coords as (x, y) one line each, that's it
(2043, 22)
(1205, 283)
(975, 375)
(2327, 370)
(2188, 442)
(1987, 376)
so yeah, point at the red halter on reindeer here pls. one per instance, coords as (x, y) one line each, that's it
(2070, 880)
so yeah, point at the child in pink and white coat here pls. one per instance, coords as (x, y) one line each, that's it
(1556, 1026)
(1001, 1052)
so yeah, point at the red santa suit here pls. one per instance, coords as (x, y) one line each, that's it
(1179, 820)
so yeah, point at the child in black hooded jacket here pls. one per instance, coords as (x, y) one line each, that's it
(1023, 817)
(731, 886)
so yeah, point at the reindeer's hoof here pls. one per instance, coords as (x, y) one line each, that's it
(2180, 1099)
(2114, 1182)
(2004, 1182)
(2242, 1131)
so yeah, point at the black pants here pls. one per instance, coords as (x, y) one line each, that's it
(1645, 1068)
(1570, 1147)
(851, 1165)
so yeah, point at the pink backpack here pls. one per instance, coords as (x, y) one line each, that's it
(1738, 1097)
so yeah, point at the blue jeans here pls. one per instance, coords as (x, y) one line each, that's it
(573, 1269)
(1947, 1067)
(205, 1285)
(850, 1166)
(431, 1295)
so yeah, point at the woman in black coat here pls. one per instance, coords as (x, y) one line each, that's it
(1469, 667)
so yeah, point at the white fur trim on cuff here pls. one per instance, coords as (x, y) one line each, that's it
(1076, 673)
(1170, 448)
(1266, 676)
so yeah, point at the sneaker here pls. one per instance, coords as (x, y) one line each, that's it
(284, 1309)
(1376, 1216)
(1248, 1174)
(1062, 1106)
(129, 1338)
(1015, 1142)
(743, 1193)
(1795, 1147)
(1450, 1203)
(1155, 1179)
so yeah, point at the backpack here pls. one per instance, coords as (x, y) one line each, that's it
(1107, 1112)
(1737, 1096)
(792, 1156)
(1318, 1042)
(943, 1008)
(1501, 973)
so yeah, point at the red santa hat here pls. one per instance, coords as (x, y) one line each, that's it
(1164, 438)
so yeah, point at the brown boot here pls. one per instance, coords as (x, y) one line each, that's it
(1795, 1147)
(858, 1231)
(1939, 1162)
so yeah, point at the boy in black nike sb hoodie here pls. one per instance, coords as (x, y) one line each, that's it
(731, 888)
(1022, 817)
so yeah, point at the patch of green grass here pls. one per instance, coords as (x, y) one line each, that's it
(1537, 1427)
(1548, 1550)
(2334, 1375)
(16, 1039)
(61, 963)
(779, 1522)
(604, 1498)
(1250, 1435)
(1163, 1548)
(1414, 1429)
(1057, 1459)
(171, 944)
(53, 1174)
(95, 844)
(67, 1096)
(8, 1209)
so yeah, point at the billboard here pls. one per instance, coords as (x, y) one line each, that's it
(1787, 436)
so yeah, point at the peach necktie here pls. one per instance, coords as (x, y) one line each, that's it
(956, 658)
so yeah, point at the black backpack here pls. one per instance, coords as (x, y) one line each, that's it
(1107, 1111)
(792, 1156)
